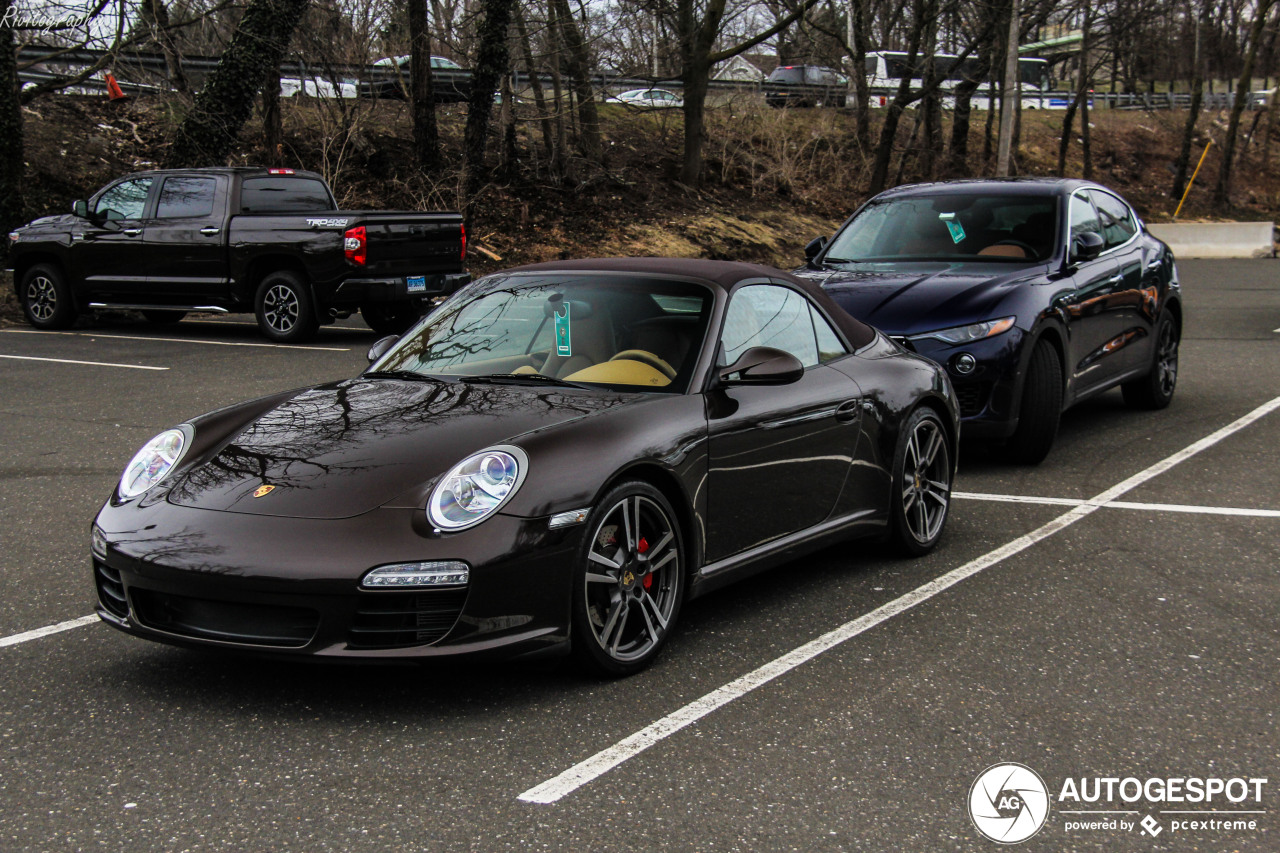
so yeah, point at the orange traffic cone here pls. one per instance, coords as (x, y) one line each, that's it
(114, 91)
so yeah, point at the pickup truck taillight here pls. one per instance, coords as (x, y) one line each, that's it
(464, 242)
(355, 244)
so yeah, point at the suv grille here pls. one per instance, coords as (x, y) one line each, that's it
(387, 620)
(110, 589)
(233, 622)
(973, 398)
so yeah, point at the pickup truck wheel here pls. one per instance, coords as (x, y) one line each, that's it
(163, 318)
(284, 308)
(46, 299)
(389, 318)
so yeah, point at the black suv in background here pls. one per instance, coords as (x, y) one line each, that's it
(805, 86)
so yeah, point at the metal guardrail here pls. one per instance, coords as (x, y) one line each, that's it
(153, 65)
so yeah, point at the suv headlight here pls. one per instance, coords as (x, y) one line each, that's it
(153, 462)
(967, 334)
(477, 487)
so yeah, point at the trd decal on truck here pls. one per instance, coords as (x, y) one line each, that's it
(328, 223)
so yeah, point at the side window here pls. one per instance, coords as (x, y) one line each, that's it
(1118, 225)
(829, 346)
(185, 197)
(1083, 217)
(126, 200)
(764, 315)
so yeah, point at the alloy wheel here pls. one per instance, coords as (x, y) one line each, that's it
(42, 298)
(632, 581)
(926, 481)
(280, 307)
(1167, 359)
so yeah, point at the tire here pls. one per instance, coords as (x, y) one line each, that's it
(921, 497)
(389, 318)
(1155, 390)
(163, 318)
(284, 308)
(1040, 410)
(629, 582)
(46, 299)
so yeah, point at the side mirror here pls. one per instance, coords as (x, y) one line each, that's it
(763, 366)
(1086, 246)
(380, 347)
(815, 247)
(80, 208)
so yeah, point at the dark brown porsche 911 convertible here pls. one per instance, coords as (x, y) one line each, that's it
(556, 459)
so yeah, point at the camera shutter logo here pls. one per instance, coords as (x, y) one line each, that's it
(1008, 803)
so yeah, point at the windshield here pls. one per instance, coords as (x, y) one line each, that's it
(610, 331)
(950, 228)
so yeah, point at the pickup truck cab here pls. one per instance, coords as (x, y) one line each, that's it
(225, 240)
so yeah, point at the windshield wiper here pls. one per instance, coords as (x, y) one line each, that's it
(520, 379)
(410, 375)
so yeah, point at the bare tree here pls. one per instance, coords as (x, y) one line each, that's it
(1222, 194)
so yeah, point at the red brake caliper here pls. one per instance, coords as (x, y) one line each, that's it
(642, 546)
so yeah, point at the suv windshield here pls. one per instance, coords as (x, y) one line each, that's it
(950, 228)
(613, 331)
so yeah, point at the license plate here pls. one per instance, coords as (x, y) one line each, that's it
(417, 283)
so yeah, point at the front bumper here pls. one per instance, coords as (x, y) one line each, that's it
(989, 394)
(290, 587)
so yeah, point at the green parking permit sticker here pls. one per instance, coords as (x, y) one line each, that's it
(956, 229)
(564, 345)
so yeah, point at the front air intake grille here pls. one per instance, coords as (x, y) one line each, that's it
(388, 620)
(973, 398)
(230, 622)
(110, 589)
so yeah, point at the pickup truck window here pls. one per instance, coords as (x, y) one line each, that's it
(126, 200)
(185, 197)
(284, 195)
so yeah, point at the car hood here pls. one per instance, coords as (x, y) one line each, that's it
(913, 298)
(340, 450)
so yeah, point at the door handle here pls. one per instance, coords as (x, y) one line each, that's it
(848, 411)
(1115, 279)
(209, 230)
(1155, 265)
(131, 232)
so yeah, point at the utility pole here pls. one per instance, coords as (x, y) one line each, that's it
(1008, 99)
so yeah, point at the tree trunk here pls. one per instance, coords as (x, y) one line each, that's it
(889, 130)
(931, 106)
(1222, 195)
(1183, 163)
(12, 212)
(578, 63)
(491, 63)
(1009, 96)
(426, 137)
(862, 96)
(272, 121)
(1068, 123)
(154, 13)
(697, 80)
(209, 132)
(539, 100)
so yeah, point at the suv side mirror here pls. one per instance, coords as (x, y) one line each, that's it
(1086, 246)
(815, 247)
(380, 347)
(80, 208)
(763, 366)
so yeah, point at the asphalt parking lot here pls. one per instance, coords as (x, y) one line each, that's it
(1110, 613)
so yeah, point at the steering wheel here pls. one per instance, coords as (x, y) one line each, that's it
(648, 358)
(1031, 252)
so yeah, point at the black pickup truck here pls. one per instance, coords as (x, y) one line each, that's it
(270, 241)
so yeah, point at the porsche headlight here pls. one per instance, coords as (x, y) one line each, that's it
(477, 487)
(153, 462)
(974, 332)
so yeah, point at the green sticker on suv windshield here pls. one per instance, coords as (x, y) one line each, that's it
(956, 229)
(564, 344)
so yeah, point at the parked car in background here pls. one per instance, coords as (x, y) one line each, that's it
(555, 460)
(267, 241)
(650, 99)
(316, 87)
(805, 86)
(450, 82)
(1034, 294)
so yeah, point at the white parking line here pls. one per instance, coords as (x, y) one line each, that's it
(602, 762)
(173, 340)
(1204, 510)
(73, 361)
(46, 631)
